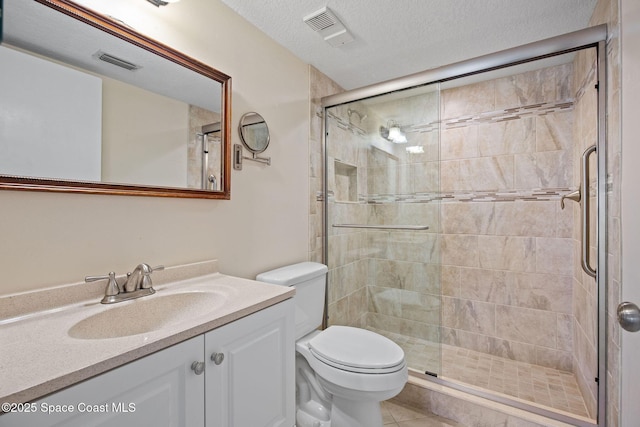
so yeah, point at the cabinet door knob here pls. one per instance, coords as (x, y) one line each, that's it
(217, 358)
(198, 367)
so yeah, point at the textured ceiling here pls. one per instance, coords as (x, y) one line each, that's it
(396, 38)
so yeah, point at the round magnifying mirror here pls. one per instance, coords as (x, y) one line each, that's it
(254, 132)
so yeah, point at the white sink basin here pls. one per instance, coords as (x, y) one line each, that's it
(146, 314)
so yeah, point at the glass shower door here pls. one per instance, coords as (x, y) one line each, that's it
(383, 220)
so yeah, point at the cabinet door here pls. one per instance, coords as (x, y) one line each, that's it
(158, 390)
(254, 384)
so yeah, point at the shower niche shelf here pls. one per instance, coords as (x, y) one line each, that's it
(346, 182)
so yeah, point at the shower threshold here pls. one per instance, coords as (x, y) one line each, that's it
(496, 378)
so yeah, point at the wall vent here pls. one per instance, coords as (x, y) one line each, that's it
(325, 22)
(114, 60)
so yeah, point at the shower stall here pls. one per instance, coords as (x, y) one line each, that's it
(444, 229)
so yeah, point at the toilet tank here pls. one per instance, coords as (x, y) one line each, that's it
(309, 279)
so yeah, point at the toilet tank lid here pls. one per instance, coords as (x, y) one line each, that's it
(291, 275)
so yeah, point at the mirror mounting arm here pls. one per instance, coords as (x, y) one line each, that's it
(238, 156)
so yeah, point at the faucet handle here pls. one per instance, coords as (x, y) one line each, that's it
(112, 286)
(146, 276)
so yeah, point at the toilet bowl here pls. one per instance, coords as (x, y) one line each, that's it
(342, 373)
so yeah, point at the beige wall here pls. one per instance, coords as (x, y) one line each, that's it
(161, 143)
(49, 238)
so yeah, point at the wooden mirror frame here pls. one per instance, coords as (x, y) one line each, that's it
(116, 29)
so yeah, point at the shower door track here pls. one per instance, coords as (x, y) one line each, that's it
(570, 42)
(503, 399)
(592, 37)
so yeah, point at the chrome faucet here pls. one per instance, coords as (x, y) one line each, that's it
(137, 284)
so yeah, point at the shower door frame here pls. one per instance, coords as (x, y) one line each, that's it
(592, 37)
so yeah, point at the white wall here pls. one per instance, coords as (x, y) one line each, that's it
(50, 238)
(43, 102)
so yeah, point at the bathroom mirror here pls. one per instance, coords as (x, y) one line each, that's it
(254, 132)
(97, 107)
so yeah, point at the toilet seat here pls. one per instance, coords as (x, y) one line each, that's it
(357, 350)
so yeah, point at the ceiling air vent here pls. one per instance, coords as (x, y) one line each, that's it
(114, 60)
(329, 26)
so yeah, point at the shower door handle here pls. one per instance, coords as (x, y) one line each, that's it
(581, 196)
(629, 316)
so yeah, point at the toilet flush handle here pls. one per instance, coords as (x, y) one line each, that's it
(217, 358)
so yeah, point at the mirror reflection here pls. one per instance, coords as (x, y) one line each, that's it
(80, 105)
(254, 132)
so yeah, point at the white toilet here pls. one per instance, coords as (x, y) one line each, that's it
(342, 373)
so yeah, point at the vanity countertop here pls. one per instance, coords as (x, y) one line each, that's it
(38, 356)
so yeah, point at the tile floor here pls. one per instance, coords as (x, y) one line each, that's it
(549, 387)
(398, 415)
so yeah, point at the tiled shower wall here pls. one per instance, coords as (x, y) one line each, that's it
(507, 251)
(505, 247)
(347, 180)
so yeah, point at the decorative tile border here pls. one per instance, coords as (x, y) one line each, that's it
(346, 124)
(507, 114)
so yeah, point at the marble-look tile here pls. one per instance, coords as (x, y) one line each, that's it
(470, 99)
(554, 132)
(338, 312)
(562, 360)
(383, 322)
(585, 313)
(526, 218)
(507, 253)
(565, 224)
(541, 385)
(459, 143)
(385, 301)
(460, 250)
(419, 277)
(543, 85)
(507, 137)
(465, 339)
(450, 280)
(549, 292)
(479, 174)
(407, 213)
(472, 316)
(423, 177)
(512, 350)
(420, 307)
(554, 255)
(357, 306)
(419, 330)
(540, 170)
(526, 325)
(468, 218)
(483, 285)
(430, 143)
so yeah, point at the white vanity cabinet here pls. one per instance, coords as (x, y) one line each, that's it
(250, 374)
(158, 390)
(249, 383)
